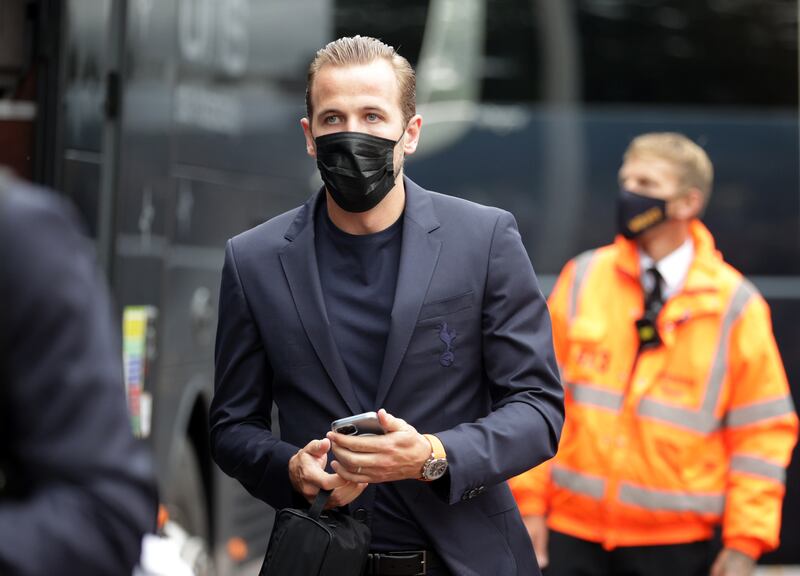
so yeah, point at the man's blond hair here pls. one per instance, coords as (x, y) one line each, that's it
(359, 50)
(690, 160)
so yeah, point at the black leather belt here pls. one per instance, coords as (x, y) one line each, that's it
(406, 563)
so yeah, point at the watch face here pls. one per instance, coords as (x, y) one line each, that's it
(435, 469)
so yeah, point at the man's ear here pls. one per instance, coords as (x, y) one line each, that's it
(689, 205)
(311, 150)
(413, 129)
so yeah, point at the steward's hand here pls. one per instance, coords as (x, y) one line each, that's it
(537, 530)
(307, 475)
(731, 562)
(397, 455)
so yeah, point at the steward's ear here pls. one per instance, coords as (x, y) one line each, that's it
(689, 205)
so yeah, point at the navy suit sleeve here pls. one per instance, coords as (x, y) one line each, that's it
(89, 486)
(524, 426)
(241, 438)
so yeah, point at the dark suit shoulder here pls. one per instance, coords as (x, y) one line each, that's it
(464, 206)
(471, 218)
(269, 235)
(39, 230)
(24, 204)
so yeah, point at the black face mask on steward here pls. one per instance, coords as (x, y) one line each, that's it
(357, 168)
(636, 213)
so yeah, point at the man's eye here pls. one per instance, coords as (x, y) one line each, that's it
(331, 119)
(372, 117)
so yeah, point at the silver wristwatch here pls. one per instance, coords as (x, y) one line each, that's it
(434, 468)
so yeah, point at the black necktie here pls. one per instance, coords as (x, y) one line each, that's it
(653, 301)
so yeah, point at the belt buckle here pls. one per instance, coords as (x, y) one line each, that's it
(374, 560)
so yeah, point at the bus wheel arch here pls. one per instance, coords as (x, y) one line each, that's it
(188, 491)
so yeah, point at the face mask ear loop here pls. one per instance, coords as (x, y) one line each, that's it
(397, 169)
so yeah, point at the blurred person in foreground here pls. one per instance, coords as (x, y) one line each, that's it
(77, 491)
(375, 294)
(679, 416)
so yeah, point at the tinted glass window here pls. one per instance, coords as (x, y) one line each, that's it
(399, 24)
(511, 66)
(729, 52)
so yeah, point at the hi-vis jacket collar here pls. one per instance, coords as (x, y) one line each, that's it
(701, 276)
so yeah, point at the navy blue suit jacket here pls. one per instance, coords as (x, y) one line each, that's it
(465, 287)
(86, 491)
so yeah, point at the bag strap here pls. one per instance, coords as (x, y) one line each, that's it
(319, 503)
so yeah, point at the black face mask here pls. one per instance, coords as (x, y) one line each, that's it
(357, 168)
(637, 214)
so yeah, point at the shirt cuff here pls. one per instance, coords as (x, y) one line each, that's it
(750, 546)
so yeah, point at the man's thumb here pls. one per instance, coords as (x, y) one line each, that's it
(318, 447)
(389, 423)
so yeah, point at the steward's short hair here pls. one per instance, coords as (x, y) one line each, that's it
(690, 160)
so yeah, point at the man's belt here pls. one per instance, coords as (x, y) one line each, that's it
(406, 563)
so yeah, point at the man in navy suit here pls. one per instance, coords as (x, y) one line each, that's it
(378, 294)
(77, 491)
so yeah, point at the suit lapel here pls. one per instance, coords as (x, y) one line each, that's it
(418, 257)
(299, 261)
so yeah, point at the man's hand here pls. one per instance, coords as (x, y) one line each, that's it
(537, 530)
(397, 455)
(307, 475)
(731, 562)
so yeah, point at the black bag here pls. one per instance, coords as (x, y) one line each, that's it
(313, 543)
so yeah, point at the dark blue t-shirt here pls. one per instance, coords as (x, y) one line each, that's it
(358, 274)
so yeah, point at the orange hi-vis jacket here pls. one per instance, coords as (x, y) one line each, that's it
(660, 446)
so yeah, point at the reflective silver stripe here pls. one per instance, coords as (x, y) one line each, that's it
(741, 297)
(581, 268)
(584, 393)
(759, 467)
(585, 484)
(694, 420)
(671, 500)
(703, 420)
(755, 413)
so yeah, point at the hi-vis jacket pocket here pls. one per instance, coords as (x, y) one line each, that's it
(590, 355)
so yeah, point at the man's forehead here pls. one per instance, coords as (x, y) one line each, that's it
(371, 68)
(375, 82)
(650, 163)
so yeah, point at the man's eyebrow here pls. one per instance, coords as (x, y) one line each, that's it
(326, 111)
(375, 107)
(368, 108)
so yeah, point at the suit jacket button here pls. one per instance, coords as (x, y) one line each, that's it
(360, 514)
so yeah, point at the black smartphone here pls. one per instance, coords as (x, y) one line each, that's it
(365, 424)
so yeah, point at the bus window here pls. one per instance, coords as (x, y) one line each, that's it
(721, 53)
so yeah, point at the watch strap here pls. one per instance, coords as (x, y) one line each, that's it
(437, 448)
